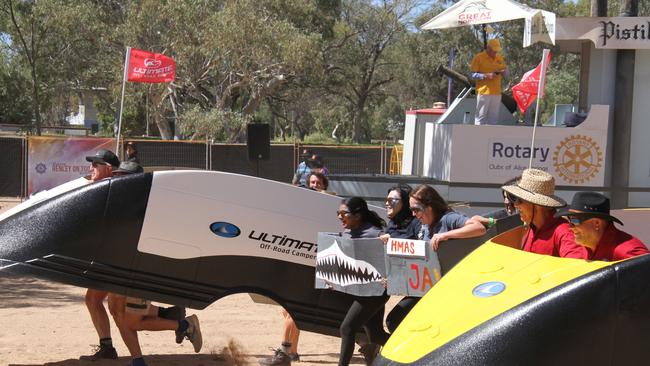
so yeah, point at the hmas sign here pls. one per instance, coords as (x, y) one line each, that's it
(612, 33)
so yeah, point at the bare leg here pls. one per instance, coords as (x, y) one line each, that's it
(117, 305)
(138, 322)
(98, 315)
(291, 332)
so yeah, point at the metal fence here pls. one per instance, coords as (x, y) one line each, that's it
(12, 166)
(231, 158)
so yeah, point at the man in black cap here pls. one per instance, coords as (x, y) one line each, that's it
(594, 229)
(103, 163)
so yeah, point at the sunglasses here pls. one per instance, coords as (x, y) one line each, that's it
(392, 201)
(418, 207)
(576, 220)
(342, 213)
(512, 198)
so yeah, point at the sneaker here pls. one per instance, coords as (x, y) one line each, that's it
(193, 332)
(139, 362)
(279, 358)
(369, 352)
(294, 357)
(179, 335)
(173, 313)
(101, 352)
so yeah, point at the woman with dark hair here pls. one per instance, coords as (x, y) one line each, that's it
(439, 223)
(359, 222)
(402, 224)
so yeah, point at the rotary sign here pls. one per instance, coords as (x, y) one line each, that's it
(495, 154)
(578, 159)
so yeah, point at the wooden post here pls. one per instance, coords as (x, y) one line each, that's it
(623, 110)
(598, 9)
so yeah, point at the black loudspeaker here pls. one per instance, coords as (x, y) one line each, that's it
(258, 141)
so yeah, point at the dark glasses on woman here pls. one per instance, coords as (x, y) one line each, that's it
(342, 213)
(512, 198)
(392, 201)
(418, 207)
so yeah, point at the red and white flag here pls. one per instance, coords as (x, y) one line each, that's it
(526, 91)
(148, 67)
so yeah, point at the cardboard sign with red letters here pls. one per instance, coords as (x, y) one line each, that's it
(406, 247)
(412, 267)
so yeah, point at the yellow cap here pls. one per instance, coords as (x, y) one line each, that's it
(495, 45)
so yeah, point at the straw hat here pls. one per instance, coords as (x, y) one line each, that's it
(537, 187)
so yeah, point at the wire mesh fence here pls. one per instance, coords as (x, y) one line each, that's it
(231, 158)
(12, 163)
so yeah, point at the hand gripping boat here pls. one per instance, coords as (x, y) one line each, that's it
(504, 306)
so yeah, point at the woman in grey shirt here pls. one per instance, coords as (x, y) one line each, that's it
(365, 311)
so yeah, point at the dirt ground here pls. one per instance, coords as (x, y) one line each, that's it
(46, 323)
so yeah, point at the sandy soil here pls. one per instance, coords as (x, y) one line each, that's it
(46, 323)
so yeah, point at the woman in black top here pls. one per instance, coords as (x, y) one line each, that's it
(360, 222)
(402, 225)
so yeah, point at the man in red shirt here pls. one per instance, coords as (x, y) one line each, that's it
(534, 196)
(594, 228)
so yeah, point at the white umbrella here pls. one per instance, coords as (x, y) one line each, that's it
(540, 24)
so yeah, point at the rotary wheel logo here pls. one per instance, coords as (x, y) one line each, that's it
(577, 159)
(40, 168)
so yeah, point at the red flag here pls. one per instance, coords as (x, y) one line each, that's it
(148, 67)
(526, 91)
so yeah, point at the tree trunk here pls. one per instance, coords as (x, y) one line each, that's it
(598, 8)
(358, 119)
(35, 101)
(166, 132)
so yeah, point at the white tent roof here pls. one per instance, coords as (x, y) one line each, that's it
(540, 24)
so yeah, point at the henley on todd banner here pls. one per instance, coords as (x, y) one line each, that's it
(148, 67)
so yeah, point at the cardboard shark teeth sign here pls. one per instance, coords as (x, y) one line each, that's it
(368, 267)
(353, 266)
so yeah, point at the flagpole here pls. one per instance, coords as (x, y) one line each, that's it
(540, 90)
(124, 77)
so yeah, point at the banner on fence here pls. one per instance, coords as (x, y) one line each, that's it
(53, 161)
(367, 267)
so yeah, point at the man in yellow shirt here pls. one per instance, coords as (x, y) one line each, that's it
(488, 68)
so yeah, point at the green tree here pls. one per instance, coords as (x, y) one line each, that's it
(357, 54)
(14, 102)
(53, 46)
